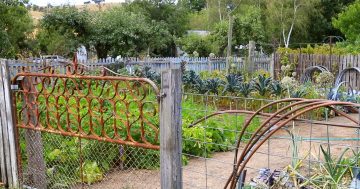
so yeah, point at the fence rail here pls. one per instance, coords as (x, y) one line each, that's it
(197, 64)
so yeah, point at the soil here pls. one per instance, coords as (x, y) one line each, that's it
(213, 172)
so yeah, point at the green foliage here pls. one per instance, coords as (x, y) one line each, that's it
(199, 20)
(276, 88)
(213, 135)
(332, 171)
(219, 38)
(213, 85)
(245, 89)
(146, 72)
(190, 78)
(248, 25)
(15, 26)
(91, 172)
(193, 5)
(194, 42)
(63, 29)
(347, 22)
(261, 85)
(298, 93)
(232, 83)
(321, 20)
(201, 86)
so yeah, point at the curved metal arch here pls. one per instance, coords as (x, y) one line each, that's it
(258, 133)
(284, 116)
(241, 164)
(310, 71)
(343, 72)
(256, 136)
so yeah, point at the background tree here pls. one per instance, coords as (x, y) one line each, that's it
(285, 17)
(15, 28)
(195, 42)
(348, 22)
(63, 30)
(321, 20)
(248, 25)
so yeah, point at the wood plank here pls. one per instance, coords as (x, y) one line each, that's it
(2, 127)
(170, 130)
(12, 171)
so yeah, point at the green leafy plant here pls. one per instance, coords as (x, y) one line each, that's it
(332, 171)
(299, 93)
(190, 78)
(245, 89)
(214, 85)
(276, 88)
(91, 172)
(200, 86)
(232, 83)
(262, 84)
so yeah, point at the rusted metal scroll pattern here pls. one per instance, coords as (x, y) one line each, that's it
(121, 110)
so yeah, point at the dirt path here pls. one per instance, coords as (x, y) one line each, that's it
(213, 172)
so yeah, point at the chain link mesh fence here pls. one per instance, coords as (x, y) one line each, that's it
(70, 162)
(318, 150)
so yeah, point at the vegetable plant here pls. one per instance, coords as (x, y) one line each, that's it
(261, 85)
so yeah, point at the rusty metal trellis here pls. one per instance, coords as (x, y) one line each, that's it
(114, 109)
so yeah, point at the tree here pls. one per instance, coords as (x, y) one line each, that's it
(219, 37)
(348, 22)
(249, 25)
(194, 5)
(174, 16)
(119, 31)
(321, 20)
(15, 28)
(63, 30)
(195, 42)
(289, 15)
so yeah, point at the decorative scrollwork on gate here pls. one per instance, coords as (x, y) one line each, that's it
(115, 109)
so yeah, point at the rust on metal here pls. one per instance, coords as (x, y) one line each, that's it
(115, 109)
(269, 127)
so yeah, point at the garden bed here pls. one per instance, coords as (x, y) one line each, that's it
(213, 171)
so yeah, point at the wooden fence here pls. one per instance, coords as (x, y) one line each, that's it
(335, 63)
(157, 64)
(8, 163)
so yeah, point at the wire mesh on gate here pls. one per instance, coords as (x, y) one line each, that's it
(81, 131)
(305, 153)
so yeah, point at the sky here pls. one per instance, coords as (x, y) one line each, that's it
(62, 2)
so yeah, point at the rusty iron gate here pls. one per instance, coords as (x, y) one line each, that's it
(73, 128)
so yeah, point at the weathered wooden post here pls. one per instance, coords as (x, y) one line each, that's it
(272, 66)
(170, 129)
(36, 169)
(8, 159)
(250, 62)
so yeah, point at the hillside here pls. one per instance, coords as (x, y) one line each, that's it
(37, 15)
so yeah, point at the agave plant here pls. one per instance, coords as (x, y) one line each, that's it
(276, 88)
(232, 83)
(245, 89)
(262, 84)
(213, 85)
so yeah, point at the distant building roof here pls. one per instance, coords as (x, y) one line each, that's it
(199, 32)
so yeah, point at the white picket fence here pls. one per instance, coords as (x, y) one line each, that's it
(197, 64)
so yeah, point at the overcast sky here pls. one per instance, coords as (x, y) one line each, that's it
(62, 2)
